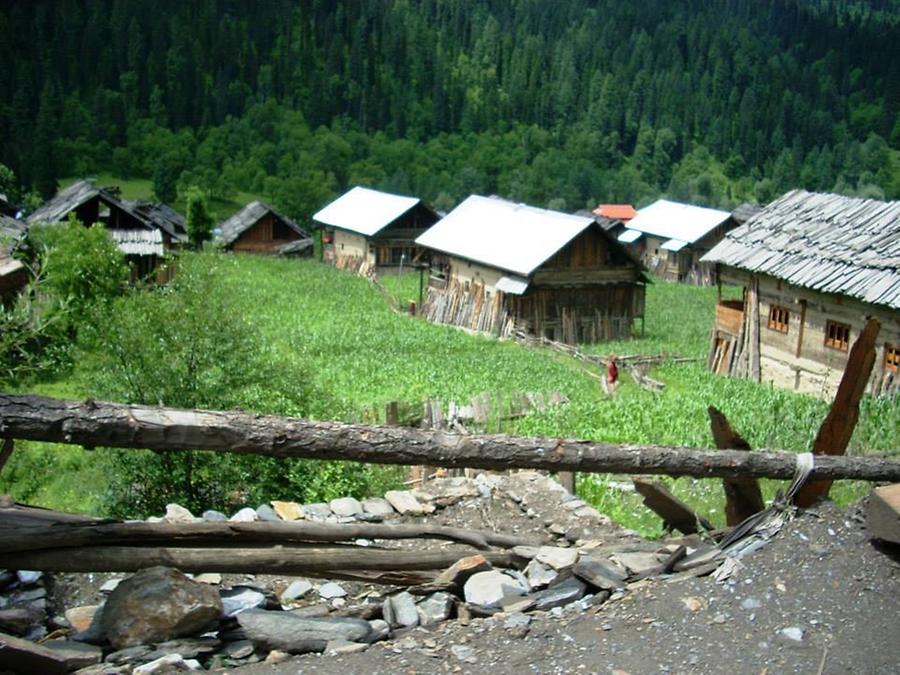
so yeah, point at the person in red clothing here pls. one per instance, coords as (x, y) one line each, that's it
(612, 373)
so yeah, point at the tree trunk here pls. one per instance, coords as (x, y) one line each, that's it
(93, 423)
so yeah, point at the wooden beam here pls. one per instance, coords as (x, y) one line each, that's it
(883, 513)
(835, 432)
(95, 423)
(314, 562)
(6, 451)
(67, 535)
(674, 512)
(743, 497)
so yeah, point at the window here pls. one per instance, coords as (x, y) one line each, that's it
(892, 357)
(778, 318)
(837, 335)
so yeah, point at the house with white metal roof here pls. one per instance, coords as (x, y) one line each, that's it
(672, 237)
(503, 268)
(814, 268)
(372, 231)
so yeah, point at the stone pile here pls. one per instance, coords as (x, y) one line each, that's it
(160, 620)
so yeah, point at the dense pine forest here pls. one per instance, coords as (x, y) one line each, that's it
(561, 103)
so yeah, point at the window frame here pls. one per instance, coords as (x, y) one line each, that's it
(892, 357)
(777, 322)
(835, 341)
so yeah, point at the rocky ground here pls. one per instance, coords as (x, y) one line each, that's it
(819, 598)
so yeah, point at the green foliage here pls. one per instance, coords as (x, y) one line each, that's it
(199, 222)
(81, 265)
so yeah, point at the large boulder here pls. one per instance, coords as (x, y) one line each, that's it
(158, 604)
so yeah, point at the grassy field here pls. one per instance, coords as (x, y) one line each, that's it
(142, 188)
(338, 332)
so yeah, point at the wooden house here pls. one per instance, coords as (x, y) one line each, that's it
(13, 274)
(503, 268)
(371, 231)
(813, 267)
(671, 238)
(258, 228)
(144, 231)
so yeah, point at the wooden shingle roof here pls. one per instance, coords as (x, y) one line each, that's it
(824, 242)
(247, 217)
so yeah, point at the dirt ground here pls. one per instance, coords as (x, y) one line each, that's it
(819, 598)
(821, 580)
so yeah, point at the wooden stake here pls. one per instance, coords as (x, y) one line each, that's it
(743, 497)
(835, 432)
(6, 451)
(674, 512)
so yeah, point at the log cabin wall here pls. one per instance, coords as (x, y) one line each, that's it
(804, 336)
(266, 236)
(583, 293)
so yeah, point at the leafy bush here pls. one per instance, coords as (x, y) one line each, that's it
(191, 345)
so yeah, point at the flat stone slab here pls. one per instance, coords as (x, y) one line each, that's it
(297, 635)
(405, 502)
(557, 558)
(288, 510)
(599, 574)
(267, 513)
(377, 506)
(345, 506)
(488, 589)
(297, 589)
(562, 594)
(400, 611)
(245, 515)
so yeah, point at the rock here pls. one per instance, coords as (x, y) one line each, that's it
(693, 604)
(156, 604)
(435, 608)
(311, 611)
(557, 558)
(267, 513)
(336, 647)
(379, 630)
(463, 653)
(377, 506)
(573, 504)
(318, 512)
(240, 599)
(240, 649)
(346, 506)
(28, 577)
(560, 595)
(175, 513)
(6, 578)
(517, 620)
(214, 516)
(277, 656)
(80, 617)
(400, 611)
(330, 590)
(93, 634)
(22, 656)
(750, 603)
(637, 562)
(288, 510)
(528, 552)
(110, 585)
(404, 502)
(284, 630)
(792, 633)
(188, 647)
(212, 578)
(515, 604)
(75, 654)
(32, 594)
(18, 620)
(245, 515)
(297, 589)
(487, 589)
(129, 655)
(598, 574)
(167, 664)
(538, 575)
(457, 574)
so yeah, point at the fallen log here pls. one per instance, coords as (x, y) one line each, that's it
(71, 535)
(312, 562)
(93, 423)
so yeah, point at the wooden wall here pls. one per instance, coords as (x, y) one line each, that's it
(799, 359)
(266, 236)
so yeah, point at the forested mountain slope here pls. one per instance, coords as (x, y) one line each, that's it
(564, 101)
